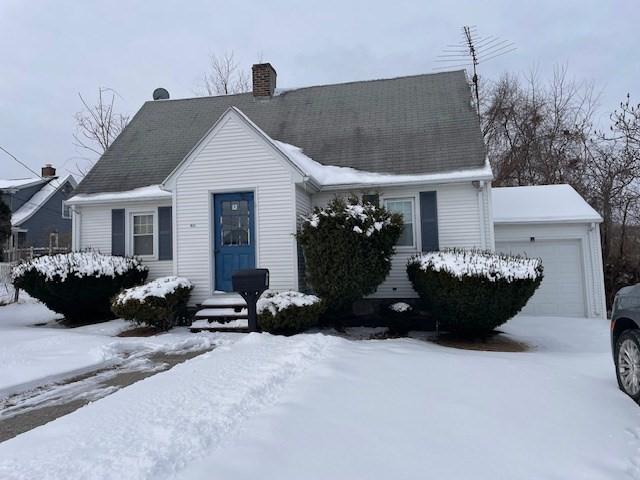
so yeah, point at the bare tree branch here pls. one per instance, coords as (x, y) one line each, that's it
(224, 77)
(97, 126)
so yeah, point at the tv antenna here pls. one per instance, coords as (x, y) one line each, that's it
(471, 51)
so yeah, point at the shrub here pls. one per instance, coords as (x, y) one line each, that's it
(347, 249)
(288, 312)
(78, 285)
(400, 317)
(472, 292)
(161, 303)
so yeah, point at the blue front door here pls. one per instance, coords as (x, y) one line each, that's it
(234, 236)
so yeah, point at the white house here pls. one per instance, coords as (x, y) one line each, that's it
(202, 187)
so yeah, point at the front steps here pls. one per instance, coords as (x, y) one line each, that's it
(222, 312)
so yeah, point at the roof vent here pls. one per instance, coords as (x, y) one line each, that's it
(160, 94)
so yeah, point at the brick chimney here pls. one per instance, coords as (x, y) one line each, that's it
(264, 80)
(48, 171)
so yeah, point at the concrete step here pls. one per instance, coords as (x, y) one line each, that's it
(238, 325)
(219, 300)
(219, 313)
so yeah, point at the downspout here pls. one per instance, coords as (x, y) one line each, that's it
(75, 228)
(479, 184)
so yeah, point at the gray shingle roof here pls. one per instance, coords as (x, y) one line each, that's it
(418, 124)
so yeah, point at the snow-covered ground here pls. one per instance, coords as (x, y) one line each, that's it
(32, 355)
(317, 406)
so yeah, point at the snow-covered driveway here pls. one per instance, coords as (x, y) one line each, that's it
(321, 407)
(32, 355)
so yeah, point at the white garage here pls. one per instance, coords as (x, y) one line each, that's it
(554, 223)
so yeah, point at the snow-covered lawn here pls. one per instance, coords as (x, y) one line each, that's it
(33, 355)
(317, 406)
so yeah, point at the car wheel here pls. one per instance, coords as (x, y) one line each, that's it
(628, 363)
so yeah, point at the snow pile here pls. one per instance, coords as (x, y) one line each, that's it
(161, 287)
(477, 263)
(400, 307)
(328, 175)
(276, 302)
(78, 264)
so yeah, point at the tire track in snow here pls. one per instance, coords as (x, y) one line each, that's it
(158, 426)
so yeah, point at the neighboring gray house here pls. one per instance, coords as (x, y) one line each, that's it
(201, 187)
(39, 215)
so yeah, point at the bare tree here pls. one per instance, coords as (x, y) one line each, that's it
(612, 185)
(542, 133)
(535, 132)
(224, 77)
(98, 125)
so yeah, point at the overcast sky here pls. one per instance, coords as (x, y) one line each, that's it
(50, 51)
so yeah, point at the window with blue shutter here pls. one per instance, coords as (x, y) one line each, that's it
(429, 221)
(117, 232)
(165, 233)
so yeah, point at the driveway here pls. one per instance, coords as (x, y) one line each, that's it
(317, 406)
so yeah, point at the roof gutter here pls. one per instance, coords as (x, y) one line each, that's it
(88, 201)
(540, 221)
(408, 183)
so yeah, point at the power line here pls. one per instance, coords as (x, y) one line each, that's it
(16, 159)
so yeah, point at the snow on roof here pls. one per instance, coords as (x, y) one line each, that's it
(541, 203)
(151, 192)
(13, 183)
(330, 175)
(41, 197)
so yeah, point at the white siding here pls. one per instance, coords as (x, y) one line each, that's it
(303, 209)
(95, 232)
(303, 204)
(588, 236)
(459, 225)
(233, 158)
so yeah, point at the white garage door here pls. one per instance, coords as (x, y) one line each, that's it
(562, 289)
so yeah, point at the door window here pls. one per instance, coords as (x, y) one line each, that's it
(234, 223)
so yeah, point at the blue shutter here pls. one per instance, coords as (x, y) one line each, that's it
(372, 198)
(165, 233)
(429, 221)
(117, 232)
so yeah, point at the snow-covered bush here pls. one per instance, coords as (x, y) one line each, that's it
(161, 303)
(347, 249)
(288, 312)
(400, 307)
(399, 317)
(471, 291)
(78, 285)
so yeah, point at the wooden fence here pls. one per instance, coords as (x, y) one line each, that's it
(12, 255)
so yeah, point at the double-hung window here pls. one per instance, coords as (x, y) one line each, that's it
(142, 230)
(405, 207)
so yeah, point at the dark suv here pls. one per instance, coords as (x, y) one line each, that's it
(625, 339)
